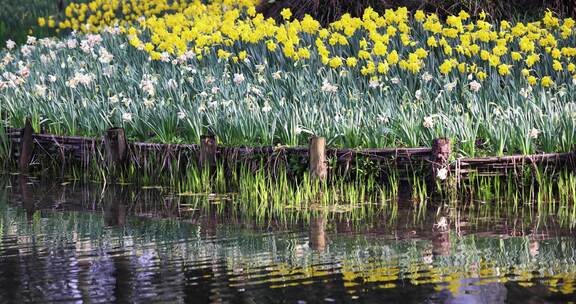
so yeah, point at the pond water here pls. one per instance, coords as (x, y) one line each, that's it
(62, 242)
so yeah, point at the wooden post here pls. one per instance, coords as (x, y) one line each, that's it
(318, 167)
(208, 149)
(26, 146)
(440, 158)
(116, 146)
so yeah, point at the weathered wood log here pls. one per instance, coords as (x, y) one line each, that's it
(64, 139)
(318, 167)
(116, 146)
(208, 149)
(340, 152)
(518, 158)
(26, 147)
(175, 147)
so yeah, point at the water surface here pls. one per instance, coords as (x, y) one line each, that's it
(69, 243)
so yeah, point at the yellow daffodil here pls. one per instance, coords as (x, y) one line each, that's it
(547, 81)
(335, 62)
(504, 69)
(351, 61)
(286, 14)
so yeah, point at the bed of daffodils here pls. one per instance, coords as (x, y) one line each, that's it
(168, 71)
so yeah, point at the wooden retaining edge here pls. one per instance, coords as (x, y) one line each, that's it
(343, 153)
(504, 165)
(534, 158)
(437, 155)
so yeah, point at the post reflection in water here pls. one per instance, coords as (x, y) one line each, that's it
(115, 201)
(317, 232)
(441, 243)
(534, 247)
(68, 244)
(26, 195)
